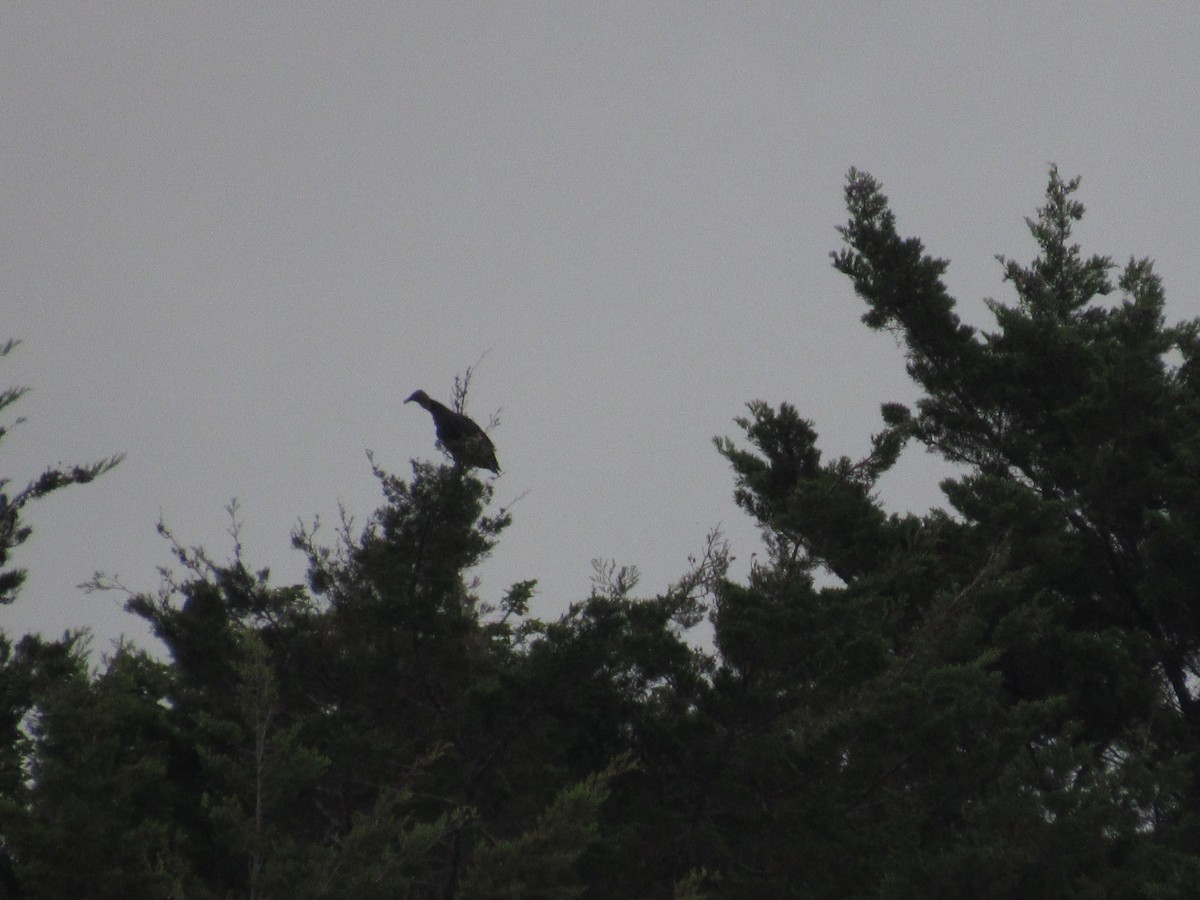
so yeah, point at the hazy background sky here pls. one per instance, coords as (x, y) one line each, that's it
(236, 236)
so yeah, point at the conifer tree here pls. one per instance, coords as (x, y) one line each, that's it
(998, 699)
(99, 808)
(370, 736)
(32, 666)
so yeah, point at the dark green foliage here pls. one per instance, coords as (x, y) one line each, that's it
(994, 700)
(372, 736)
(32, 671)
(1023, 722)
(98, 821)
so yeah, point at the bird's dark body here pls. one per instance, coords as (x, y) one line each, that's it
(465, 441)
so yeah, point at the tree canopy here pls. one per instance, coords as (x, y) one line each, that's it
(994, 699)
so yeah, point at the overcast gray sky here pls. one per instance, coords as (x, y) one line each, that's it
(236, 236)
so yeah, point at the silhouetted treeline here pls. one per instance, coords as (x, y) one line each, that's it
(994, 700)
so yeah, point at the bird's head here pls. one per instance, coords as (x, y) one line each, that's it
(418, 397)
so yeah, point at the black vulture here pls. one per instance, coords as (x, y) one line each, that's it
(463, 439)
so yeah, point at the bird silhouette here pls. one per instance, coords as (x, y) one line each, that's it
(465, 441)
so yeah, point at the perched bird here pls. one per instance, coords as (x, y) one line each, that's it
(463, 439)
